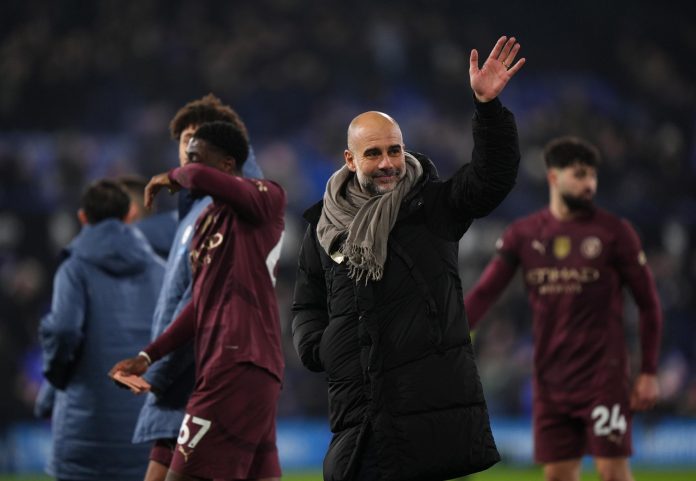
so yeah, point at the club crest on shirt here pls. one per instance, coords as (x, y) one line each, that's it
(561, 247)
(201, 255)
(591, 247)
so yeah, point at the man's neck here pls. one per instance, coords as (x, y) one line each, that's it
(560, 210)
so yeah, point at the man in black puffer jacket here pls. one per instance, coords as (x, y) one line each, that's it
(378, 299)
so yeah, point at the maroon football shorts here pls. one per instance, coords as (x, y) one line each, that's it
(162, 451)
(600, 427)
(231, 434)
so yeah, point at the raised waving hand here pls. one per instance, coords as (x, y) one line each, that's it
(488, 81)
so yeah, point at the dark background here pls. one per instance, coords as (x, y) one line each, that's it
(87, 90)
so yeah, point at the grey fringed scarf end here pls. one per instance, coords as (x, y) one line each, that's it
(363, 263)
(366, 219)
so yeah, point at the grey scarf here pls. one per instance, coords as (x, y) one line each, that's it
(366, 218)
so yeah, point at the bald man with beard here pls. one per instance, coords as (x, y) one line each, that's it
(378, 300)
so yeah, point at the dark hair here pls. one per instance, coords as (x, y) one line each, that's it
(207, 109)
(134, 185)
(227, 138)
(132, 182)
(564, 151)
(105, 199)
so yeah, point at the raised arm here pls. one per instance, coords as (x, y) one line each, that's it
(61, 331)
(636, 274)
(480, 186)
(310, 315)
(256, 200)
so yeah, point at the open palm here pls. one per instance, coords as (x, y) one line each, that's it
(488, 81)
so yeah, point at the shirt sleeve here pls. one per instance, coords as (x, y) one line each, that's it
(180, 360)
(182, 330)
(256, 200)
(636, 274)
(61, 331)
(495, 278)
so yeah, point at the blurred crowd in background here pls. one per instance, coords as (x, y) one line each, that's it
(87, 90)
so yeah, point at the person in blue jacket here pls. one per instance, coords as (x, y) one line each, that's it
(104, 296)
(172, 377)
(158, 228)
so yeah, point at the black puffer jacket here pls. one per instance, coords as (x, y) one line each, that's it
(397, 352)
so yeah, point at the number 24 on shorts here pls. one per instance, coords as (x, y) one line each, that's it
(185, 432)
(606, 422)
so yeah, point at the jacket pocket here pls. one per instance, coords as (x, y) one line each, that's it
(413, 388)
(347, 404)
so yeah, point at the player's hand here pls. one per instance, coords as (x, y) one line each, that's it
(135, 365)
(488, 81)
(136, 384)
(645, 392)
(155, 185)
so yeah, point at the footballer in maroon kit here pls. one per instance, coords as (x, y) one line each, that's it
(575, 260)
(229, 428)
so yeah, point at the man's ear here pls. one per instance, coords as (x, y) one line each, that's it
(552, 176)
(350, 160)
(133, 214)
(82, 217)
(230, 164)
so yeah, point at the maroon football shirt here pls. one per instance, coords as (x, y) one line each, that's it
(574, 272)
(233, 314)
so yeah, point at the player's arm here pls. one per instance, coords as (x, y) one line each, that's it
(61, 330)
(310, 314)
(495, 278)
(170, 367)
(256, 200)
(181, 331)
(636, 274)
